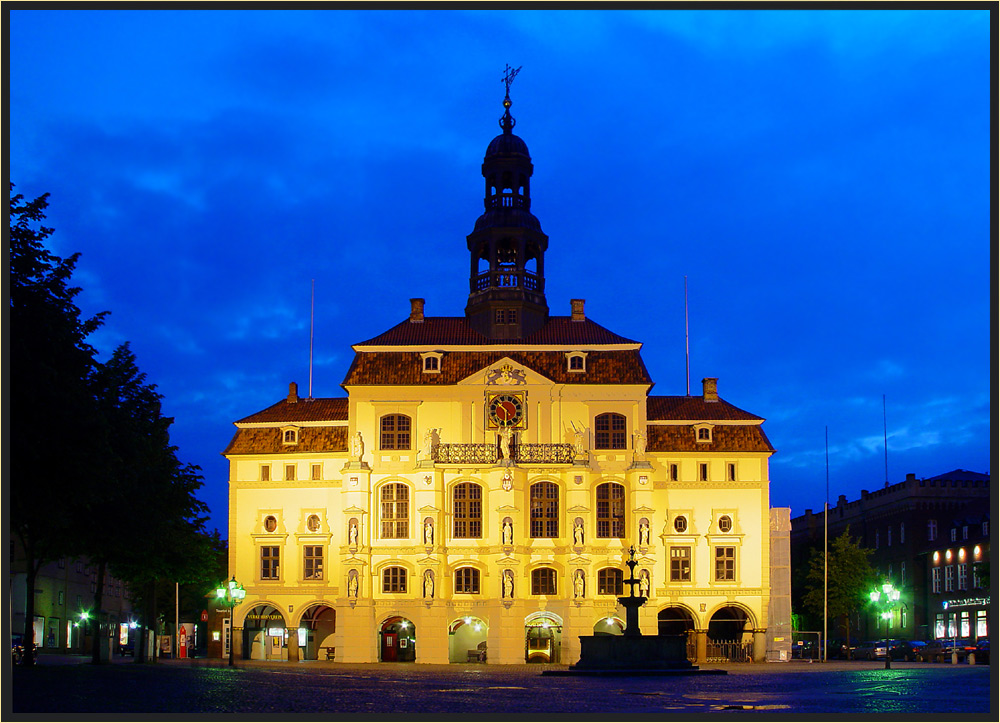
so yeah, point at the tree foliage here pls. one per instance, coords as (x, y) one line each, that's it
(850, 577)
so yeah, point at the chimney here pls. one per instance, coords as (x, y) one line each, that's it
(416, 311)
(710, 389)
(293, 393)
(576, 307)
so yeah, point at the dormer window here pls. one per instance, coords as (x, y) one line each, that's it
(703, 433)
(431, 361)
(289, 435)
(576, 361)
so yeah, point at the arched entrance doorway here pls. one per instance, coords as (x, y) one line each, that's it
(730, 636)
(542, 637)
(397, 641)
(316, 630)
(264, 634)
(610, 625)
(678, 621)
(467, 640)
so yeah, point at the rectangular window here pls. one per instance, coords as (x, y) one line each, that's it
(963, 576)
(902, 573)
(725, 564)
(467, 581)
(965, 532)
(543, 581)
(544, 510)
(312, 563)
(888, 537)
(62, 563)
(931, 530)
(289, 472)
(981, 630)
(674, 473)
(703, 471)
(986, 528)
(949, 578)
(731, 471)
(265, 473)
(936, 579)
(939, 626)
(902, 617)
(468, 521)
(394, 579)
(62, 597)
(680, 564)
(610, 581)
(317, 471)
(876, 539)
(269, 562)
(952, 626)
(965, 628)
(395, 511)
(977, 581)
(954, 534)
(902, 533)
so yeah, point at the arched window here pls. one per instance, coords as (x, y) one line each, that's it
(395, 431)
(395, 500)
(467, 580)
(543, 581)
(544, 509)
(467, 507)
(610, 510)
(609, 431)
(609, 581)
(394, 579)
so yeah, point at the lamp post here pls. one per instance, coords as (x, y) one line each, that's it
(230, 594)
(887, 597)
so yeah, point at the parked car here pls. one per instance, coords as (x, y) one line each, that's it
(905, 650)
(17, 647)
(983, 650)
(870, 651)
(940, 651)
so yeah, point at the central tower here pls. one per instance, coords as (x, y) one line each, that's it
(507, 246)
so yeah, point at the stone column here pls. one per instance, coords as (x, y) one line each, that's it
(759, 645)
(293, 645)
(701, 645)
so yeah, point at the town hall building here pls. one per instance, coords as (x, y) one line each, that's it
(475, 495)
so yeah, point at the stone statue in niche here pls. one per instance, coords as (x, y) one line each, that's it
(578, 534)
(352, 584)
(578, 584)
(505, 436)
(357, 447)
(640, 444)
(644, 583)
(507, 535)
(643, 533)
(428, 584)
(352, 535)
(428, 533)
(508, 585)
(577, 440)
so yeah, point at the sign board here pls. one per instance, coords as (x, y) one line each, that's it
(204, 616)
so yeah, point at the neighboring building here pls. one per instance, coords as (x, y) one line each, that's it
(63, 591)
(903, 524)
(958, 601)
(475, 495)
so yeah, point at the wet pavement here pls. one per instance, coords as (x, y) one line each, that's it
(203, 689)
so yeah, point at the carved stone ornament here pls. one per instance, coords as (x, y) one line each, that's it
(505, 375)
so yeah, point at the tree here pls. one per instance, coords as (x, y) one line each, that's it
(165, 538)
(850, 577)
(58, 436)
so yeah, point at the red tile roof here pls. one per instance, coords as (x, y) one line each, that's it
(725, 438)
(304, 410)
(455, 331)
(694, 409)
(268, 440)
(623, 366)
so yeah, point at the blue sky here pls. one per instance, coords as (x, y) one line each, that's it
(822, 177)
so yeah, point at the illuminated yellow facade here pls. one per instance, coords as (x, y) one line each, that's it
(475, 494)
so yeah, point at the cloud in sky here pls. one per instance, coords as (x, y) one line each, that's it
(821, 177)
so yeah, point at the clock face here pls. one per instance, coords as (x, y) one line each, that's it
(506, 410)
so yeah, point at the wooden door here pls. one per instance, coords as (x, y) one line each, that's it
(390, 643)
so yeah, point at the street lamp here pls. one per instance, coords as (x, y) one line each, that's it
(230, 594)
(887, 597)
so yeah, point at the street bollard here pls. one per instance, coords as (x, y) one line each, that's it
(972, 658)
(954, 658)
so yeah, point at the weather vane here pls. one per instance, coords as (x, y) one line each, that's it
(508, 76)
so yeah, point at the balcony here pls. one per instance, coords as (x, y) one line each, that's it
(487, 455)
(507, 279)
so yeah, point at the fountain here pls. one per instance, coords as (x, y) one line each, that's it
(633, 653)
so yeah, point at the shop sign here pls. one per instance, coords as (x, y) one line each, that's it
(968, 602)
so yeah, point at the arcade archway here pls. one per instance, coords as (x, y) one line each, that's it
(397, 641)
(467, 640)
(542, 637)
(264, 633)
(730, 635)
(678, 621)
(610, 625)
(316, 632)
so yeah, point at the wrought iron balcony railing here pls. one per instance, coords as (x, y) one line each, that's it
(489, 454)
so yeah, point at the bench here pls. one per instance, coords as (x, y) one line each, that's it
(330, 653)
(475, 656)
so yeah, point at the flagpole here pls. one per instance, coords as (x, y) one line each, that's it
(312, 318)
(826, 544)
(687, 343)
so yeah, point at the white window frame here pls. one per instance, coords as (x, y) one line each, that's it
(431, 359)
(570, 356)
